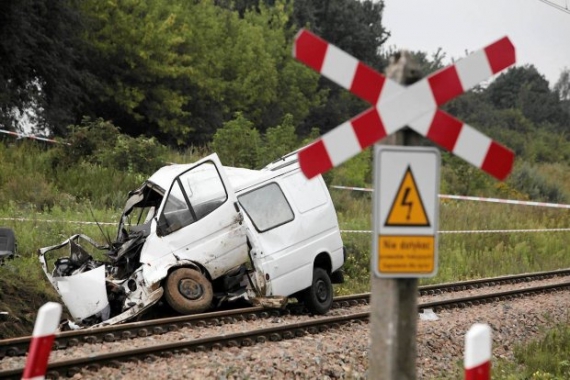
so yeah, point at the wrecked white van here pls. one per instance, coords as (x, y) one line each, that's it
(197, 235)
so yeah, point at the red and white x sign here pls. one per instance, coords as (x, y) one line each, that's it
(395, 106)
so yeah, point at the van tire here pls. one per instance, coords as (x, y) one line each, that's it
(188, 291)
(319, 296)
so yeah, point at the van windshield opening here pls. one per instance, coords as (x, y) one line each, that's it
(193, 196)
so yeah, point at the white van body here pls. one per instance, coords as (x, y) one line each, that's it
(199, 234)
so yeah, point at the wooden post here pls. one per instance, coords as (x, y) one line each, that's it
(394, 304)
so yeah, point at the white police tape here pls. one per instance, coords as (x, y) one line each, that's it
(354, 188)
(469, 198)
(55, 221)
(474, 231)
(33, 137)
(459, 197)
(342, 231)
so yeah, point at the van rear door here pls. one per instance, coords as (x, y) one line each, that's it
(200, 221)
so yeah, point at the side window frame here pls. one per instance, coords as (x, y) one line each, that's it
(274, 225)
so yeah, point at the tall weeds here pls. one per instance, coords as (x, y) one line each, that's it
(45, 202)
(476, 239)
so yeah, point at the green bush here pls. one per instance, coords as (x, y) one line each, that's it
(529, 180)
(237, 143)
(99, 142)
(548, 355)
(459, 177)
(24, 176)
(134, 155)
(543, 359)
(355, 172)
(278, 141)
(84, 142)
(24, 189)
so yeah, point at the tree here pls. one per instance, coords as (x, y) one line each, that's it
(278, 141)
(180, 69)
(237, 143)
(140, 62)
(562, 88)
(353, 26)
(41, 62)
(526, 89)
(177, 69)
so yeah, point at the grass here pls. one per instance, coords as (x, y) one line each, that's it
(45, 206)
(476, 239)
(545, 359)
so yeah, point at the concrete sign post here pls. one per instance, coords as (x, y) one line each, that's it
(407, 181)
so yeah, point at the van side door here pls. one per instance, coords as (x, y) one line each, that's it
(295, 221)
(200, 221)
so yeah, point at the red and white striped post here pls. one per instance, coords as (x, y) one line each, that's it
(477, 360)
(42, 341)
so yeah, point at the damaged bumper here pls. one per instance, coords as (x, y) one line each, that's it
(87, 289)
(134, 310)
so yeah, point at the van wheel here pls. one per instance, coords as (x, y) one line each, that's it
(188, 291)
(319, 296)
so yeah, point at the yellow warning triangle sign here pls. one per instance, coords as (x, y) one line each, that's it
(407, 209)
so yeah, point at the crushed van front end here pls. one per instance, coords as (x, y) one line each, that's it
(90, 288)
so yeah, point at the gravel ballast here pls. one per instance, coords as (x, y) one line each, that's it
(338, 353)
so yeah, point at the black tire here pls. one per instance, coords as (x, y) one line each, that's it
(188, 291)
(319, 296)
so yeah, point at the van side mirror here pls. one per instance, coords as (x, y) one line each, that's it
(160, 227)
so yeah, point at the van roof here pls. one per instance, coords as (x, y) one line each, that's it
(240, 178)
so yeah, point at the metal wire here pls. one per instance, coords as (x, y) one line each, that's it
(559, 7)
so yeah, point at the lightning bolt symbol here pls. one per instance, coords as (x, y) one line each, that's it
(407, 203)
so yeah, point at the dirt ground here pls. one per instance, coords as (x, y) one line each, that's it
(20, 299)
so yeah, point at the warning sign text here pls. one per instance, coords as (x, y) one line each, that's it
(406, 254)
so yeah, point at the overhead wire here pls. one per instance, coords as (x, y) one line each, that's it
(557, 6)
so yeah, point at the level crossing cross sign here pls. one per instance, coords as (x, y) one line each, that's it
(395, 106)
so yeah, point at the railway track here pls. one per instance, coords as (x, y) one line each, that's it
(66, 339)
(18, 346)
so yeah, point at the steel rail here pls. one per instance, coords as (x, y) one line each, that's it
(70, 367)
(481, 282)
(66, 339)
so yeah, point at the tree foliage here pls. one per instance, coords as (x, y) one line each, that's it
(278, 141)
(524, 88)
(178, 69)
(355, 27)
(562, 88)
(187, 72)
(99, 142)
(181, 69)
(40, 62)
(237, 142)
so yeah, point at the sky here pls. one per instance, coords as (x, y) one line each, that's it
(539, 32)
